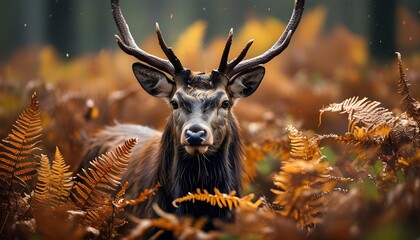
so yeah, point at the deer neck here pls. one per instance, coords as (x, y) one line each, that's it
(180, 173)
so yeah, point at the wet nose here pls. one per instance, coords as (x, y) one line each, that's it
(195, 135)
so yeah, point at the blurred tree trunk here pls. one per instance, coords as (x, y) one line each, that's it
(60, 26)
(383, 32)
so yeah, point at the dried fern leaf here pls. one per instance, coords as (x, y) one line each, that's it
(408, 103)
(17, 164)
(97, 217)
(256, 153)
(303, 180)
(303, 148)
(100, 181)
(54, 182)
(222, 200)
(61, 180)
(143, 196)
(17, 150)
(106, 218)
(42, 189)
(365, 112)
(181, 228)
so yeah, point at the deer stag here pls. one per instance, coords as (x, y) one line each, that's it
(200, 146)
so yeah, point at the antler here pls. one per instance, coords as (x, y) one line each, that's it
(237, 65)
(171, 66)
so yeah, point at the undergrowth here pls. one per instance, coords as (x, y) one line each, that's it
(373, 184)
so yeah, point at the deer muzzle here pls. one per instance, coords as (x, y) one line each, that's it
(196, 138)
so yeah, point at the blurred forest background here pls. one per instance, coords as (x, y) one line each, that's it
(65, 51)
(78, 27)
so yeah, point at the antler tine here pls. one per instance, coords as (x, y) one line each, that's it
(240, 57)
(225, 55)
(129, 46)
(170, 54)
(278, 46)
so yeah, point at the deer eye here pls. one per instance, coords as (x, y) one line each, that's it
(174, 104)
(226, 104)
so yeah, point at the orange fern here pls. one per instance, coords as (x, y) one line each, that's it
(54, 182)
(181, 228)
(120, 202)
(222, 200)
(361, 112)
(99, 182)
(106, 218)
(17, 165)
(408, 103)
(17, 161)
(257, 153)
(303, 181)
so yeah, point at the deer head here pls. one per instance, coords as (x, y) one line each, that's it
(201, 102)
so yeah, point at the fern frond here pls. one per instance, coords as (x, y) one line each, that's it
(54, 182)
(365, 112)
(105, 217)
(408, 103)
(94, 193)
(101, 180)
(41, 195)
(303, 148)
(120, 202)
(61, 180)
(97, 217)
(303, 180)
(222, 200)
(181, 228)
(17, 150)
(377, 133)
(256, 153)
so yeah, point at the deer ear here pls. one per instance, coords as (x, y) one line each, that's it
(153, 81)
(245, 83)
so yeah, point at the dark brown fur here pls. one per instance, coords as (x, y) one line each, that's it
(200, 146)
(159, 158)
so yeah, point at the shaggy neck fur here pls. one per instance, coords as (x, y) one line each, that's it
(180, 173)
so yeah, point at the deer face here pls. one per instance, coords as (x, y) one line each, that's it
(201, 102)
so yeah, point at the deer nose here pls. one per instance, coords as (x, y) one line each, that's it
(195, 135)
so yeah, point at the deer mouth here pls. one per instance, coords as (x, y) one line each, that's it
(196, 139)
(196, 149)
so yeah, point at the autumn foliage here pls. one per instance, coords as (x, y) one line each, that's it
(309, 172)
